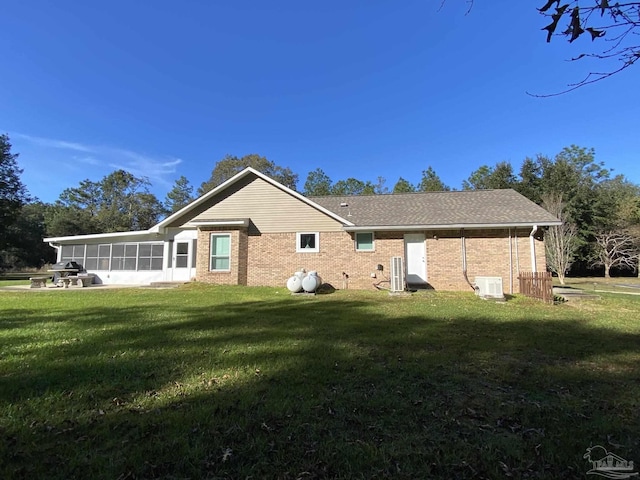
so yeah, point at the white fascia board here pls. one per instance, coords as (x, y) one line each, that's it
(216, 223)
(234, 179)
(388, 228)
(202, 199)
(96, 236)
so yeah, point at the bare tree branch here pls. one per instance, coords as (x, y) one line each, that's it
(615, 249)
(560, 242)
(597, 19)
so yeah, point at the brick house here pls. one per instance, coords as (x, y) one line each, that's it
(251, 230)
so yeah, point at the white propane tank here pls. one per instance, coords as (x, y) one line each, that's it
(294, 284)
(311, 282)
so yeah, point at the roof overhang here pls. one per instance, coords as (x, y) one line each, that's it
(98, 236)
(243, 222)
(451, 226)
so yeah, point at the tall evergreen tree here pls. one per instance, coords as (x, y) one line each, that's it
(26, 248)
(231, 165)
(317, 184)
(431, 182)
(353, 186)
(403, 186)
(13, 194)
(486, 177)
(180, 195)
(530, 182)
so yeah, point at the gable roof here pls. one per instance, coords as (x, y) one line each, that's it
(439, 210)
(236, 178)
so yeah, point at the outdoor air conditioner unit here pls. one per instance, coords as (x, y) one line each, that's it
(489, 287)
(397, 274)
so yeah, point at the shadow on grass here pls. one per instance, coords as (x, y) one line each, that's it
(313, 389)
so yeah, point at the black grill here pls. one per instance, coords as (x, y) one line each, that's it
(67, 266)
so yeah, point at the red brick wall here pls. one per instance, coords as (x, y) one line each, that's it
(270, 259)
(273, 259)
(488, 253)
(238, 272)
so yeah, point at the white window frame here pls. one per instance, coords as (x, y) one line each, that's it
(119, 262)
(77, 253)
(373, 242)
(155, 258)
(300, 249)
(102, 260)
(211, 256)
(182, 257)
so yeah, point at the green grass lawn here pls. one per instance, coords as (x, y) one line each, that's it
(12, 283)
(629, 285)
(235, 382)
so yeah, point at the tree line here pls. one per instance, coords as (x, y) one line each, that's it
(600, 211)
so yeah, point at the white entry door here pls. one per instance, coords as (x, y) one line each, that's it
(416, 257)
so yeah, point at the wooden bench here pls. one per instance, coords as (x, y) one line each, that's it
(38, 282)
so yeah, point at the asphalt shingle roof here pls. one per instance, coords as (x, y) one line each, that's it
(458, 208)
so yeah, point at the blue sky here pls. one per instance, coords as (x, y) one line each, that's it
(358, 88)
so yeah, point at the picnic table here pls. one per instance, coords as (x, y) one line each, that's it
(64, 276)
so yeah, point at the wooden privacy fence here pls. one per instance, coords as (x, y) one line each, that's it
(537, 285)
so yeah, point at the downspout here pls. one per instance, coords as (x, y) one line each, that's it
(510, 264)
(57, 249)
(515, 234)
(533, 248)
(463, 253)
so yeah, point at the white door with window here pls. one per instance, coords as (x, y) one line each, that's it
(182, 258)
(416, 257)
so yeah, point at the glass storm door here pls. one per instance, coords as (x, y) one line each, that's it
(416, 256)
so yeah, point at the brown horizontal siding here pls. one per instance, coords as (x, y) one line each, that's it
(270, 209)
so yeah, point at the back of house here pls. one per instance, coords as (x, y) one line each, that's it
(251, 230)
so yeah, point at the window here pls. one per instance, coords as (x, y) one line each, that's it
(307, 242)
(123, 256)
(73, 253)
(117, 256)
(182, 254)
(220, 252)
(364, 242)
(97, 257)
(150, 256)
(91, 263)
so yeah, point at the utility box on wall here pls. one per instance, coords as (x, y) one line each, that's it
(397, 274)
